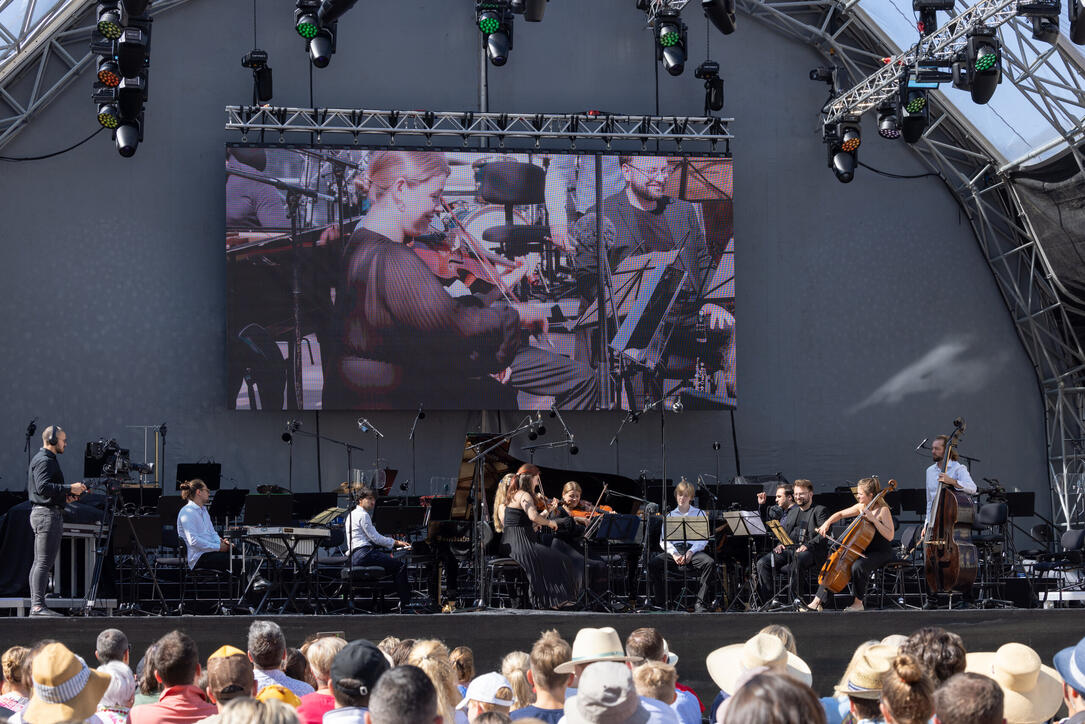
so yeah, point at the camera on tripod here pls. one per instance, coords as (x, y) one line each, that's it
(107, 459)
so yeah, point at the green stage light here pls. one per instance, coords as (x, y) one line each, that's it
(109, 116)
(915, 104)
(488, 22)
(986, 60)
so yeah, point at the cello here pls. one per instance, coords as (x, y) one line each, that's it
(836, 571)
(949, 556)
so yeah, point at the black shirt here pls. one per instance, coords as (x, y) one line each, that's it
(652, 233)
(45, 480)
(807, 523)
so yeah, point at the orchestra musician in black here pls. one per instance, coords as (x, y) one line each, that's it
(801, 521)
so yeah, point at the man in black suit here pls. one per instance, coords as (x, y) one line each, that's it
(800, 521)
(640, 219)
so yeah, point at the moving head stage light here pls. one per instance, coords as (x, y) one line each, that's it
(494, 20)
(842, 141)
(317, 22)
(670, 33)
(122, 42)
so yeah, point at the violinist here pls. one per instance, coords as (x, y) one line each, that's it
(876, 555)
(573, 515)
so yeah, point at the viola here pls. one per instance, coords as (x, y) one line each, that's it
(586, 510)
(836, 572)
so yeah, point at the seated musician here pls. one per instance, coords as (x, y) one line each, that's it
(640, 219)
(367, 547)
(876, 555)
(801, 523)
(205, 549)
(403, 340)
(570, 525)
(690, 555)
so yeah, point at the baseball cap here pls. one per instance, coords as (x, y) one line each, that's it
(362, 661)
(229, 675)
(484, 688)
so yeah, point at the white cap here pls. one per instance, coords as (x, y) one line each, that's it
(484, 688)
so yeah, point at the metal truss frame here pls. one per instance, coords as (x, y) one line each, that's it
(48, 57)
(979, 178)
(676, 132)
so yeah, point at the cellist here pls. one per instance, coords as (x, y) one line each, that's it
(956, 475)
(876, 555)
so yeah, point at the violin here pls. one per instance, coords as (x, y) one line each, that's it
(587, 510)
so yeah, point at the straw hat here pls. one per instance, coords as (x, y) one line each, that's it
(727, 664)
(1033, 692)
(65, 689)
(864, 680)
(595, 644)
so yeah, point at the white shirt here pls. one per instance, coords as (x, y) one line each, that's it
(194, 526)
(345, 715)
(267, 677)
(694, 546)
(361, 532)
(954, 470)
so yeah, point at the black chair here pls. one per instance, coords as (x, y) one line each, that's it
(990, 538)
(900, 582)
(506, 584)
(509, 184)
(203, 590)
(363, 589)
(1066, 568)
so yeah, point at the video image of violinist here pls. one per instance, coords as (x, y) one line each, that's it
(377, 278)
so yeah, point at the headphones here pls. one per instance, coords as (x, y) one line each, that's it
(52, 439)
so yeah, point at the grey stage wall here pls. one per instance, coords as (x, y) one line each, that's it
(867, 318)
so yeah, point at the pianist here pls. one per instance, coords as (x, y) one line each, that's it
(367, 547)
(205, 548)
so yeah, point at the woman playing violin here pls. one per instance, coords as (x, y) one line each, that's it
(876, 555)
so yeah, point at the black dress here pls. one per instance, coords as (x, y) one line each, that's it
(550, 574)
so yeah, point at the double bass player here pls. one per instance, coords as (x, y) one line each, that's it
(956, 475)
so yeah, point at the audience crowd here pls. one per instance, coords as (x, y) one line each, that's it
(927, 676)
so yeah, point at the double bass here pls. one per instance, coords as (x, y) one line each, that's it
(949, 556)
(836, 571)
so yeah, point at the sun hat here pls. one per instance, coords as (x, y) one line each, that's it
(595, 644)
(1032, 691)
(65, 688)
(484, 688)
(606, 695)
(864, 679)
(728, 663)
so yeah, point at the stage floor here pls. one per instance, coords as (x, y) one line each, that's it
(825, 640)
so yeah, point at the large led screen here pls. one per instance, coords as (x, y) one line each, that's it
(367, 279)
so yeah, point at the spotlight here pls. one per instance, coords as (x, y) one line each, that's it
(494, 20)
(1043, 15)
(109, 73)
(262, 90)
(979, 67)
(132, 56)
(108, 115)
(709, 72)
(670, 34)
(306, 23)
(111, 19)
(888, 123)
(842, 141)
(721, 13)
(321, 48)
(914, 112)
(128, 136)
(1075, 10)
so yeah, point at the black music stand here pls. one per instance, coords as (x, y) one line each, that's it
(267, 510)
(210, 473)
(748, 524)
(782, 538)
(400, 518)
(606, 529)
(308, 505)
(227, 504)
(685, 530)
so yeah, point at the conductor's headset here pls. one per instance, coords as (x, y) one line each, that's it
(53, 439)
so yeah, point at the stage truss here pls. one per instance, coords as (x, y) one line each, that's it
(550, 132)
(1052, 78)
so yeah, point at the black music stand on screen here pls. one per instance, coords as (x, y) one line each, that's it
(267, 510)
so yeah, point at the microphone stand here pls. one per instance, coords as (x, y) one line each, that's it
(630, 416)
(30, 430)
(350, 447)
(414, 460)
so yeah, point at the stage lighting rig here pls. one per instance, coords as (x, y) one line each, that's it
(928, 13)
(494, 21)
(914, 112)
(262, 90)
(709, 72)
(1044, 17)
(978, 67)
(122, 42)
(842, 141)
(317, 22)
(721, 13)
(888, 121)
(670, 34)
